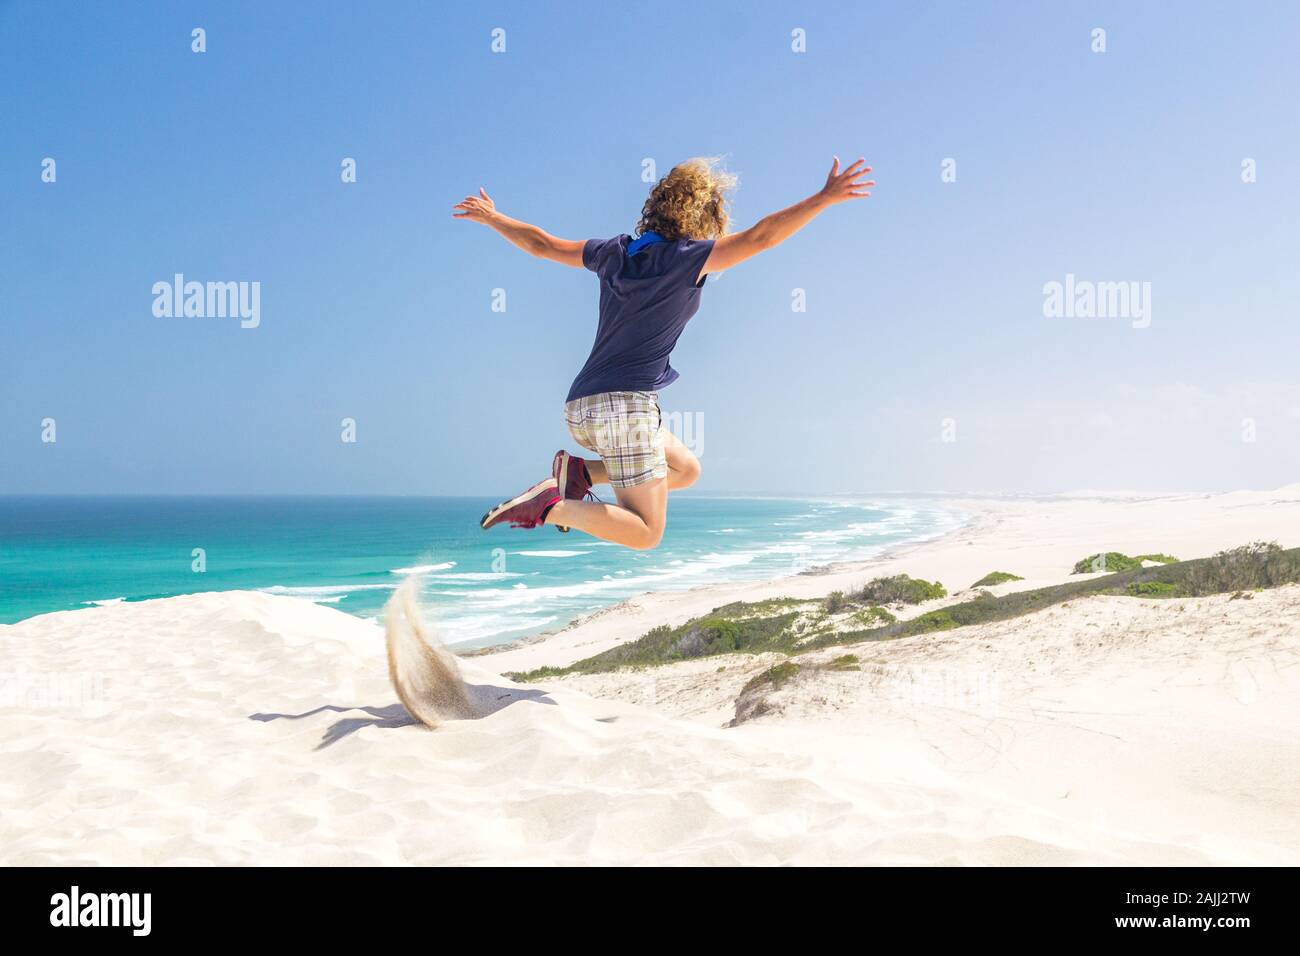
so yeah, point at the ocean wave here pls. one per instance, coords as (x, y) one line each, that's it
(458, 631)
(788, 549)
(550, 554)
(108, 602)
(858, 529)
(324, 590)
(424, 568)
(697, 571)
(475, 576)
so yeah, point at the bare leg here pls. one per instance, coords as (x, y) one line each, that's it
(683, 466)
(637, 521)
(596, 469)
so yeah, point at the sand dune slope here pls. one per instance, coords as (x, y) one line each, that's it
(249, 728)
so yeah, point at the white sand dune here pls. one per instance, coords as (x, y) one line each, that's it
(252, 728)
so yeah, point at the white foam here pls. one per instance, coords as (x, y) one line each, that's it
(469, 576)
(324, 590)
(461, 630)
(858, 529)
(498, 599)
(550, 554)
(105, 603)
(787, 549)
(424, 568)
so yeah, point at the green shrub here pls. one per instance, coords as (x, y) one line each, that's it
(698, 637)
(996, 577)
(529, 677)
(1111, 562)
(1107, 563)
(900, 589)
(1260, 564)
(1152, 589)
(744, 609)
(845, 662)
(773, 677)
(941, 620)
(752, 701)
(874, 617)
(835, 602)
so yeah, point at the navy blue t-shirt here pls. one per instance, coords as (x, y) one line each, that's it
(646, 299)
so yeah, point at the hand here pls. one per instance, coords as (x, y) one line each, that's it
(843, 186)
(478, 208)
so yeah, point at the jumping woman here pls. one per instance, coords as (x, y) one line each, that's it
(649, 289)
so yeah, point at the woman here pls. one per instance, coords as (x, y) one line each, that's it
(649, 289)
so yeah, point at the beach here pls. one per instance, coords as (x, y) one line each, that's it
(243, 727)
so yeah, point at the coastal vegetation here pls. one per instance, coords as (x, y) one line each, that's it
(752, 701)
(1116, 561)
(900, 589)
(792, 627)
(873, 616)
(1151, 589)
(996, 577)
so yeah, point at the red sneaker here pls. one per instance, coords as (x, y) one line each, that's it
(527, 510)
(571, 477)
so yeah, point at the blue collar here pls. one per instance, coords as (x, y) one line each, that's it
(645, 239)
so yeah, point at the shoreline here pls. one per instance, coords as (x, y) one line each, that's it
(890, 552)
(1038, 539)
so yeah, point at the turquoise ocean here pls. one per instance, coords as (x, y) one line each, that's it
(64, 553)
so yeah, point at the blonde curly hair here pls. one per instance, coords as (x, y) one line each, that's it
(690, 202)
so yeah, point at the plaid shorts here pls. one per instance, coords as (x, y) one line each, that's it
(626, 430)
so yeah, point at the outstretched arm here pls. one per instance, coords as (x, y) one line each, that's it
(780, 226)
(531, 239)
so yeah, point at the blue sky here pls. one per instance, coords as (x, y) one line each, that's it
(924, 303)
